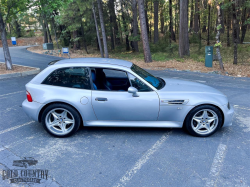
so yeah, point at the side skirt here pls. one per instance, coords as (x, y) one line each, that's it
(168, 124)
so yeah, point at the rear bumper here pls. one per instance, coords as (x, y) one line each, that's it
(32, 109)
(228, 115)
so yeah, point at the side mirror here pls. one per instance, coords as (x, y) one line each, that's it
(133, 91)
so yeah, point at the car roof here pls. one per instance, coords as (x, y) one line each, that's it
(96, 61)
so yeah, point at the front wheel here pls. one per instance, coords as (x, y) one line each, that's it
(60, 120)
(203, 121)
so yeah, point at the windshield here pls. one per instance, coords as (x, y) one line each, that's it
(154, 81)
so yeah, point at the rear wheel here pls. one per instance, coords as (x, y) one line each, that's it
(203, 121)
(61, 120)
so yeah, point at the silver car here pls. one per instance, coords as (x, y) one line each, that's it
(117, 93)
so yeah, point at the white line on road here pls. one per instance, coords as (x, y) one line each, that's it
(12, 93)
(244, 108)
(217, 165)
(200, 81)
(16, 127)
(129, 174)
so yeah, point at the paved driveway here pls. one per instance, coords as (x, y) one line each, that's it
(127, 156)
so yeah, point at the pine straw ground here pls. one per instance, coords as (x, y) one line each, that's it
(16, 69)
(240, 70)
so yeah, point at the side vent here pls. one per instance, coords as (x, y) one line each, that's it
(176, 102)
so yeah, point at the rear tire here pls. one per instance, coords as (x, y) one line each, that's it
(203, 121)
(61, 120)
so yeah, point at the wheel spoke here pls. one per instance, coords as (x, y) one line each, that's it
(68, 121)
(54, 123)
(211, 119)
(204, 115)
(55, 115)
(197, 119)
(207, 126)
(64, 114)
(199, 126)
(63, 128)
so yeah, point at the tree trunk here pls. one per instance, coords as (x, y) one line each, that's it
(53, 25)
(47, 27)
(146, 15)
(208, 24)
(156, 30)
(171, 30)
(45, 35)
(75, 42)
(18, 29)
(178, 17)
(103, 29)
(111, 34)
(113, 21)
(183, 33)
(192, 14)
(175, 18)
(144, 34)
(204, 19)
(218, 36)
(135, 26)
(228, 26)
(97, 32)
(83, 39)
(6, 52)
(243, 24)
(222, 30)
(125, 26)
(162, 20)
(196, 17)
(235, 29)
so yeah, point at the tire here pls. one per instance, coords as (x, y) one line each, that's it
(197, 123)
(61, 120)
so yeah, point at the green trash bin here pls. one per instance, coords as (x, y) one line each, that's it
(48, 46)
(209, 56)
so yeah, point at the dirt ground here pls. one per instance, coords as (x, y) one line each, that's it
(16, 69)
(240, 70)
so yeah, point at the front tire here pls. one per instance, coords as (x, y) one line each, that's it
(61, 120)
(203, 121)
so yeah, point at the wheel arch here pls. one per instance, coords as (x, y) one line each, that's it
(55, 102)
(223, 115)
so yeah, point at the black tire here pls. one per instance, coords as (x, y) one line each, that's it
(73, 111)
(188, 126)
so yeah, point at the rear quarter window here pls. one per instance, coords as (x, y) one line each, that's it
(73, 77)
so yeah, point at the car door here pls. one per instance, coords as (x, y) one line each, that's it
(122, 106)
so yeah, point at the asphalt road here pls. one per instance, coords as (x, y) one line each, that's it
(127, 156)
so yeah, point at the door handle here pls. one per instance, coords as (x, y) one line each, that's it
(101, 99)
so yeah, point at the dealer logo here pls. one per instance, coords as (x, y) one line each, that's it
(25, 175)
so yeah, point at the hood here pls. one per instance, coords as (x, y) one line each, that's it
(176, 85)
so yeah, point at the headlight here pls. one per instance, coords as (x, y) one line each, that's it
(228, 106)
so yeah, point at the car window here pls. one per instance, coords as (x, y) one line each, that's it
(114, 73)
(138, 84)
(73, 77)
(109, 79)
(156, 82)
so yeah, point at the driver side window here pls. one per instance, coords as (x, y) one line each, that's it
(138, 84)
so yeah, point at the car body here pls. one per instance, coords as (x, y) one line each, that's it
(166, 106)
(25, 162)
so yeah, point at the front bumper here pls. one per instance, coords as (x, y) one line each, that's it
(32, 109)
(228, 115)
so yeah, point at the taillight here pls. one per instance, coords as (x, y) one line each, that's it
(29, 98)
